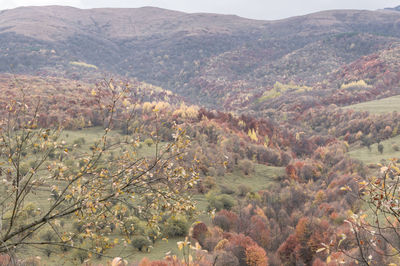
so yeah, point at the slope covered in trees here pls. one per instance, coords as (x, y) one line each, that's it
(212, 57)
(250, 112)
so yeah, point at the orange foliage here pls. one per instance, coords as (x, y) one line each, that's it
(256, 256)
(291, 172)
(168, 262)
(303, 230)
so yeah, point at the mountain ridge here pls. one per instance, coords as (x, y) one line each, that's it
(208, 58)
(110, 22)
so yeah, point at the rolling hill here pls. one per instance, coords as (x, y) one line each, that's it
(208, 58)
(273, 113)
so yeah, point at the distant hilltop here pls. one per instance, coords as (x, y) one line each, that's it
(397, 8)
(211, 58)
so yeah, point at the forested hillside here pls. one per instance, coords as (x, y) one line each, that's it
(212, 57)
(167, 138)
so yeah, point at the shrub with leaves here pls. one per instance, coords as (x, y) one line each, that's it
(225, 219)
(176, 226)
(148, 142)
(141, 242)
(243, 190)
(199, 232)
(246, 166)
(219, 202)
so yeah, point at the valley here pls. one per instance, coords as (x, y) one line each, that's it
(171, 138)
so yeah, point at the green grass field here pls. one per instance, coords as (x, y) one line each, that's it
(159, 251)
(262, 177)
(373, 156)
(380, 106)
(90, 135)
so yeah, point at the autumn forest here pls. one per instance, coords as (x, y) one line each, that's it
(154, 137)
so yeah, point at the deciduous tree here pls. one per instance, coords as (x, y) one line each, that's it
(96, 189)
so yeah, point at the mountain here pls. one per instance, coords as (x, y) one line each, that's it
(57, 23)
(397, 8)
(208, 58)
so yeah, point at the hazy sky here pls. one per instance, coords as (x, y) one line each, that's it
(258, 9)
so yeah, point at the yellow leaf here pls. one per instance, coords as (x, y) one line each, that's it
(93, 92)
(396, 168)
(320, 250)
(328, 259)
(341, 240)
(363, 183)
(197, 246)
(346, 188)
(180, 245)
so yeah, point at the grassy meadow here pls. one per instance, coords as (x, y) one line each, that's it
(261, 178)
(381, 106)
(372, 155)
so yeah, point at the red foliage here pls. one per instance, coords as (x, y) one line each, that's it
(286, 251)
(259, 231)
(291, 172)
(5, 259)
(199, 232)
(226, 220)
(238, 243)
(318, 262)
(326, 208)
